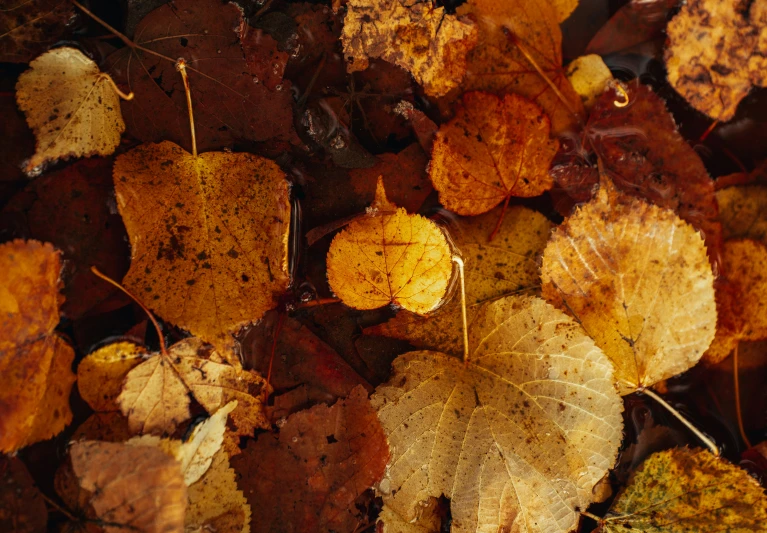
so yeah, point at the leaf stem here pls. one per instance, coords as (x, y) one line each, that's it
(458, 261)
(594, 517)
(736, 384)
(129, 96)
(181, 67)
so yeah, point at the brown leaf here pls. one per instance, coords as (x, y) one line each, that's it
(228, 102)
(633, 24)
(307, 477)
(743, 212)
(22, 507)
(29, 27)
(36, 362)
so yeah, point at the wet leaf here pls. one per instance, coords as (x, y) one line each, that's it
(517, 438)
(389, 257)
(34, 360)
(71, 106)
(508, 264)
(209, 235)
(743, 212)
(589, 77)
(637, 278)
(307, 477)
(494, 148)
(22, 507)
(419, 37)
(632, 25)
(100, 375)
(688, 491)
(715, 54)
(28, 27)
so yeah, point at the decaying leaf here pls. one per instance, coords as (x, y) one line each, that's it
(517, 438)
(633, 24)
(133, 487)
(389, 257)
(307, 477)
(209, 235)
(35, 362)
(589, 77)
(716, 53)
(637, 278)
(743, 212)
(508, 264)
(156, 394)
(494, 148)
(22, 507)
(100, 375)
(688, 491)
(417, 36)
(28, 27)
(70, 105)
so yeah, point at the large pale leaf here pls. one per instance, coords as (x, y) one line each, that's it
(517, 438)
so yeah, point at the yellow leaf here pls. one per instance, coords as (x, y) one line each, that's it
(688, 491)
(388, 257)
(71, 106)
(589, 77)
(517, 438)
(508, 264)
(564, 8)
(209, 235)
(101, 374)
(196, 454)
(637, 278)
(417, 36)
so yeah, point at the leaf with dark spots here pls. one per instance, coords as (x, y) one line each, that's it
(28, 27)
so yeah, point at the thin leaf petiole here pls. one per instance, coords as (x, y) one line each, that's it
(181, 67)
(458, 261)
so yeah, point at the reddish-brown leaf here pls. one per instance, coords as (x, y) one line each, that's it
(633, 24)
(28, 28)
(22, 508)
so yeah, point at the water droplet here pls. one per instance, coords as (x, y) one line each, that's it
(278, 88)
(294, 439)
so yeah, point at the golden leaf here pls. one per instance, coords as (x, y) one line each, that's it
(35, 362)
(417, 36)
(388, 257)
(209, 235)
(101, 373)
(517, 438)
(70, 105)
(688, 491)
(743, 212)
(196, 454)
(637, 278)
(589, 77)
(155, 395)
(508, 264)
(494, 148)
(716, 53)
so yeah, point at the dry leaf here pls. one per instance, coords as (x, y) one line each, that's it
(215, 503)
(517, 438)
(743, 212)
(688, 491)
(156, 394)
(209, 235)
(22, 507)
(307, 477)
(589, 77)
(417, 36)
(716, 53)
(196, 454)
(28, 27)
(508, 264)
(637, 278)
(100, 374)
(35, 362)
(134, 487)
(71, 106)
(491, 150)
(388, 257)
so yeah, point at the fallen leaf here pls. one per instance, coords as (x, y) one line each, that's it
(156, 394)
(498, 64)
(682, 490)
(743, 212)
(230, 101)
(209, 235)
(517, 438)
(427, 521)
(136, 487)
(494, 148)
(508, 264)
(28, 28)
(564, 8)
(637, 278)
(22, 507)
(715, 54)
(633, 24)
(419, 37)
(389, 257)
(265, 61)
(424, 128)
(196, 454)
(100, 374)
(589, 77)
(307, 477)
(71, 106)
(34, 360)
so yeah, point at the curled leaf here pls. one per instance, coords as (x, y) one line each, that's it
(100, 374)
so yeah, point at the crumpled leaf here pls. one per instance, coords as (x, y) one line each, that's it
(209, 235)
(494, 148)
(743, 212)
(307, 477)
(716, 53)
(71, 106)
(35, 362)
(29, 27)
(100, 375)
(419, 37)
(637, 278)
(156, 394)
(589, 77)
(498, 65)
(388, 257)
(229, 103)
(22, 507)
(508, 264)
(136, 487)
(688, 491)
(517, 438)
